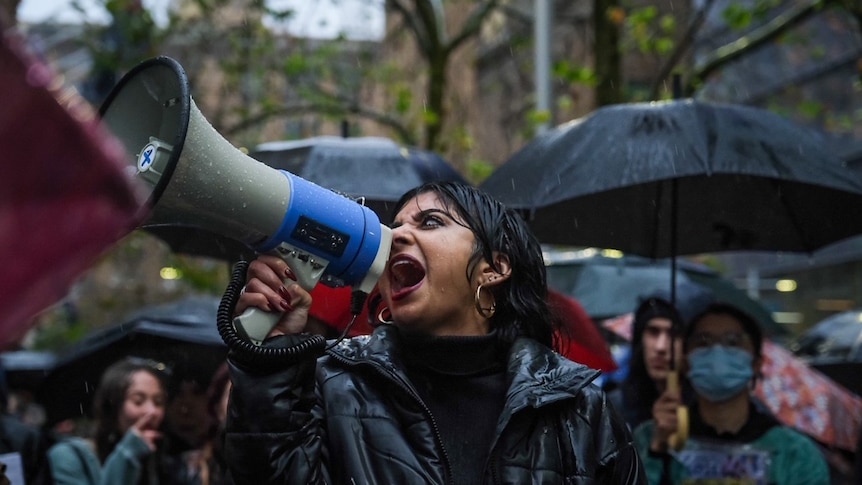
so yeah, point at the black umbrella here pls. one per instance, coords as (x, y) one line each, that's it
(374, 168)
(26, 369)
(834, 339)
(682, 177)
(182, 335)
(834, 347)
(611, 286)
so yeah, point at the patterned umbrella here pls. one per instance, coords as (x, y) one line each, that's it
(804, 398)
(796, 394)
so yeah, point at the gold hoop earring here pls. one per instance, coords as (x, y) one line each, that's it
(485, 312)
(380, 317)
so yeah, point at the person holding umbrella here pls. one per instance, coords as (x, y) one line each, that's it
(730, 437)
(656, 325)
(458, 384)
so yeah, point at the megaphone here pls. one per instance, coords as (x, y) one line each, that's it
(197, 178)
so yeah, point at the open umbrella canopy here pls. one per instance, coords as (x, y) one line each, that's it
(834, 339)
(611, 286)
(806, 399)
(374, 168)
(26, 369)
(733, 178)
(182, 335)
(834, 347)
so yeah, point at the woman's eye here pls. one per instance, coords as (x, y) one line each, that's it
(431, 221)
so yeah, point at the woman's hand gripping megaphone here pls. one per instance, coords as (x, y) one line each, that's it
(278, 289)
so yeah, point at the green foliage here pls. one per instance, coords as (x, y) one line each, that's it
(538, 117)
(403, 98)
(55, 334)
(650, 32)
(478, 170)
(430, 117)
(811, 109)
(740, 16)
(568, 72)
(737, 16)
(295, 64)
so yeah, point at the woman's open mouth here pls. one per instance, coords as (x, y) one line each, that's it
(405, 275)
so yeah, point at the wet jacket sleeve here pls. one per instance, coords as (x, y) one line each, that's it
(125, 464)
(72, 463)
(621, 463)
(275, 432)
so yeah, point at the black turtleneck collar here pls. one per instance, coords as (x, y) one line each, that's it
(455, 356)
(757, 425)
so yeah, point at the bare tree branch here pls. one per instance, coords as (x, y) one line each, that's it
(760, 36)
(682, 46)
(472, 25)
(414, 24)
(326, 108)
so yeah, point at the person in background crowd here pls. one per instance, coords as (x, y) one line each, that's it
(204, 464)
(458, 384)
(656, 325)
(129, 406)
(730, 437)
(22, 442)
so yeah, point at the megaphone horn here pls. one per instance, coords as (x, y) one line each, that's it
(197, 178)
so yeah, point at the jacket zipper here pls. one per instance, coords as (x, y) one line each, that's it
(391, 377)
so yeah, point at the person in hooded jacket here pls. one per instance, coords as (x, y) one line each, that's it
(458, 383)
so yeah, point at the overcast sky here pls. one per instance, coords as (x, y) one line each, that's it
(358, 19)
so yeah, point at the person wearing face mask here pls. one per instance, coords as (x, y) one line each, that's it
(656, 324)
(731, 440)
(129, 406)
(458, 384)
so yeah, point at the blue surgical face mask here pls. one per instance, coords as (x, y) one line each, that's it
(719, 373)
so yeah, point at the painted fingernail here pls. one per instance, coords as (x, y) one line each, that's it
(286, 306)
(289, 274)
(283, 292)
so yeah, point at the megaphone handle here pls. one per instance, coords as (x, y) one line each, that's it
(255, 324)
(677, 440)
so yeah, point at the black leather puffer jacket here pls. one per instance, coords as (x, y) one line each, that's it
(352, 416)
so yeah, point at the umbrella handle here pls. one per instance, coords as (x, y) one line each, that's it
(677, 440)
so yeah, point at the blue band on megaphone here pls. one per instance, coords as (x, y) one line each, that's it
(331, 226)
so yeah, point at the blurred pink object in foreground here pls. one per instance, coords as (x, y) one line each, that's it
(65, 195)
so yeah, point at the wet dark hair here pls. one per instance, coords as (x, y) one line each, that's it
(521, 300)
(111, 394)
(639, 392)
(749, 324)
